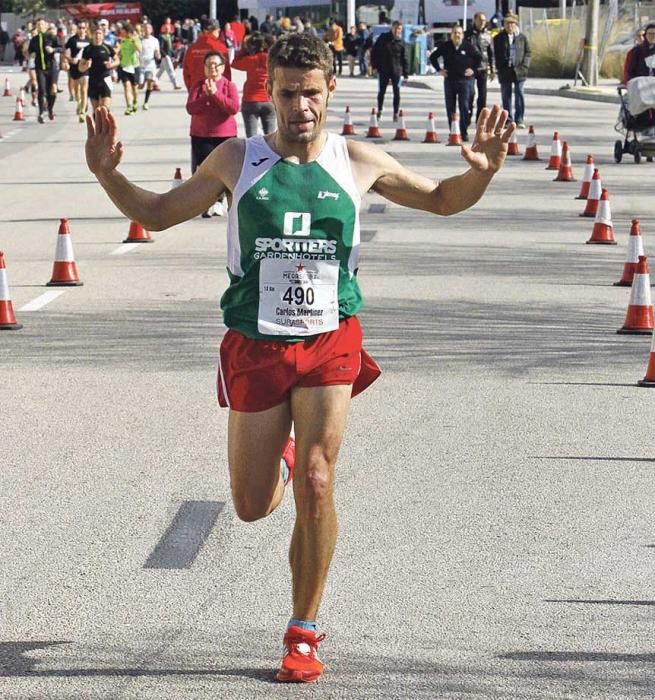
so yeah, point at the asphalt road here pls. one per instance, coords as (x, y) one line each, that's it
(495, 488)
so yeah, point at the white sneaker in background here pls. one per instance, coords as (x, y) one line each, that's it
(218, 209)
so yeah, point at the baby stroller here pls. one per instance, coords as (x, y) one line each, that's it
(636, 117)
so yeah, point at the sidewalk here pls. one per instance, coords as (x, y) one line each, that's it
(605, 91)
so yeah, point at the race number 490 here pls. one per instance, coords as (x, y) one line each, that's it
(299, 296)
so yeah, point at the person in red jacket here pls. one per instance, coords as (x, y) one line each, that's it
(255, 105)
(193, 68)
(212, 103)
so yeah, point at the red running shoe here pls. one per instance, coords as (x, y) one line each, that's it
(300, 663)
(289, 456)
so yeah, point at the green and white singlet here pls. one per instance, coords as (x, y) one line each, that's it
(292, 244)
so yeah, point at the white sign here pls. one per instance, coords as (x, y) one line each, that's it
(450, 11)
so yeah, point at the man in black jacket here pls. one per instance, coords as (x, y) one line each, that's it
(390, 61)
(42, 48)
(460, 60)
(512, 53)
(479, 36)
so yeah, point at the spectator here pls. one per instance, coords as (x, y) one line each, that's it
(193, 68)
(212, 103)
(266, 26)
(352, 42)
(364, 48)
(229, 38)
(460, 62)
(512, 53)
(389, 59)
(334, 38)
(480, 37)
(167, 53)
(4, 40)
(255, 106)
(309, 28)
(640, 61)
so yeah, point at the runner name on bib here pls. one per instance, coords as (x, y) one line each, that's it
(298, 297)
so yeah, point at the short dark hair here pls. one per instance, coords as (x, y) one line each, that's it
(300, 51)
(258, 42)
(209, 54)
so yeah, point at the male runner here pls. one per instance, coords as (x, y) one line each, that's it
(293, 352)
(98, 59)
(149, 55)
(42, 48)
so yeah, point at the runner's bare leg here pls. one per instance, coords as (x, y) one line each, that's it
(319, 416)
(255, 444)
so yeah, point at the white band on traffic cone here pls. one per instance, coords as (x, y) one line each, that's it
(4, 286)
(603, 213)
(64, 252)
(635, 249)
(640, 292)
(595, 189)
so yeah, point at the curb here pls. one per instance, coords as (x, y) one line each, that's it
(575, 93)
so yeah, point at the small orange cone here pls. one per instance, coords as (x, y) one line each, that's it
(138, 234)
(586, 177)
(513, 145)
(348, 128)
(177, 178)
(401, 131)
(555, 153)
(7, 92)
(603, 232)
(431, 130)
(21, 96)
(373, 126)
(635, 249)
(7, 317)
(455, 135)
(64, 271)
(18, 114)
(649, 379)
(639, 319)
(595, 191)
(565, 173)
(531, 152)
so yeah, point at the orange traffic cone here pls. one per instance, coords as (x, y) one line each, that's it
(513, 145)
(649, 379)
(348, 128)
(177, 178)
(565, 173)
(7, 92)
(64, 271)
(138, 234)
(586, 177)
(455, 135)
(373, 127)
(431, 130)
(531, 152)
(595, 190)
(635, 249)
(21, 96)
(18, 114)
(401, 131)
(555, 153)
(7, 317)
(603, 232)
(639, 319)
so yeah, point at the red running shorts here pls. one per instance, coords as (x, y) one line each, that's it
(255, 375)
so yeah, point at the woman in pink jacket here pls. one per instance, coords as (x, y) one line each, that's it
(212, 104)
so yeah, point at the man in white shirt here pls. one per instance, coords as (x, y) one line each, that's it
(149, 56)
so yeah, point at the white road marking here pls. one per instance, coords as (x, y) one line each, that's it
(125, 248)
(42, 300)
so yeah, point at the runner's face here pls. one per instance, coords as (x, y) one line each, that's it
(41, 26)
(300, 98)
(98, 36)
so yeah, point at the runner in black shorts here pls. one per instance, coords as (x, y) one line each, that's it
(98, 59)
(79, 80)
(42, 48)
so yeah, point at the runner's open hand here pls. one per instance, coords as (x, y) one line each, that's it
(489, 148)
(103, 152)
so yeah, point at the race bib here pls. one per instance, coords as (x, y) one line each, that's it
(109, 82)
(298, 297)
